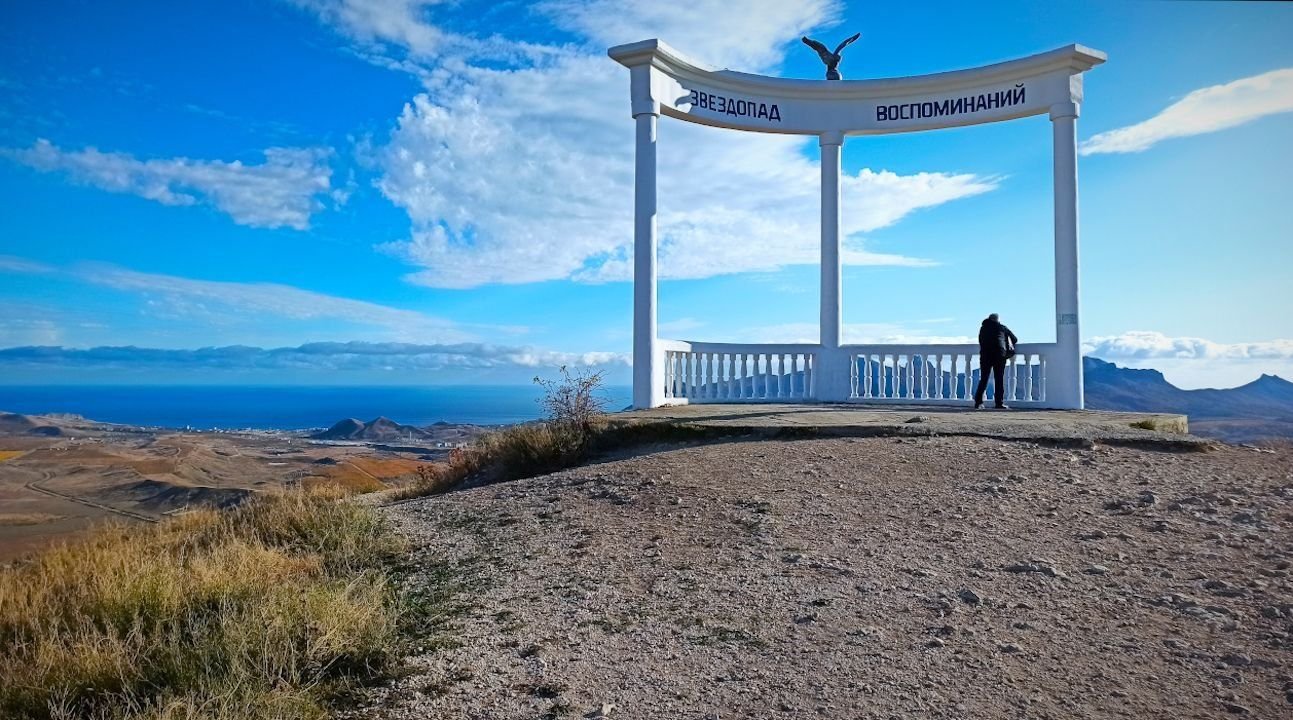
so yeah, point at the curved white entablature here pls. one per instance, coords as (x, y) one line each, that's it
(666, 82)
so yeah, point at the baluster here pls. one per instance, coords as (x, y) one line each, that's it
(731, 376)
(668, 373)
(938, 377)
(949, 380)
(684, 379)
(788, 369)
(711, 377)
(693, 359)
(702, 375)
(1028, 377)
(683, 385)
(711, 381)
(1041, 370)
(734, 382)
(1013, 381)
(716, 368)
(924, 376)
(740, 389)
(679, 378)
(775, 361)
(720, 385)
(718, 376)
(668, 376)
(810, 387)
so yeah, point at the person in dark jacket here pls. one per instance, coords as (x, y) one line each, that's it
(994, 340)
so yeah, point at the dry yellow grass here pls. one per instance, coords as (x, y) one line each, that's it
(32, 518)
(11, 454)
(260, 612)
(363, 475)
(385, 468)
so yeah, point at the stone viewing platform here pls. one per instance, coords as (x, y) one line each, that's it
(839, 420)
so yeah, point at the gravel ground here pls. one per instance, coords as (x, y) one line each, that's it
(857, 578)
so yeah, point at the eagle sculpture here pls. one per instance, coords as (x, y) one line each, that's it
(832, 59)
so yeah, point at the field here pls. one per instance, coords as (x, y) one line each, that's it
(53, 487)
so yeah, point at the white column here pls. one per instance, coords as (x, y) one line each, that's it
(831, 144)
(833, 380)
(1064, 372)
(648, 368)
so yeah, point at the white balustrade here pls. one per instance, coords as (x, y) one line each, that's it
(730, 372)
(901, 374)
(941, 374)
(904, 374)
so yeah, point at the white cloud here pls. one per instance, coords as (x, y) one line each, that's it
(743, 35)
(1141, 344)
(283, 191)
(9, 263)
(1203, 111)
(215, 300)
(516, 164)
(524, 175)
(342, 357)
(1191, 362)
(404, 23)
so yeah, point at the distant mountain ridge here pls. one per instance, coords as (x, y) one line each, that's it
(380, 429)
(1260, 409)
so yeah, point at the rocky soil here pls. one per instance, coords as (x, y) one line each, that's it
(865, 578)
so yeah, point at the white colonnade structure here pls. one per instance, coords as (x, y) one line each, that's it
(676, 372)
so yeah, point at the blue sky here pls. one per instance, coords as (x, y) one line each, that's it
(398, 191)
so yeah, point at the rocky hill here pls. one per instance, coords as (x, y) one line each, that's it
(882, 577)
(1259, 410)
(379, 429)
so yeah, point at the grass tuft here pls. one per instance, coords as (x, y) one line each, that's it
(270, 610)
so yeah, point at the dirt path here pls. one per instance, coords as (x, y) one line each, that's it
(860, 578)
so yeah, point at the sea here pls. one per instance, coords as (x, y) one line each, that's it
(210, 407)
